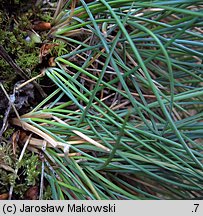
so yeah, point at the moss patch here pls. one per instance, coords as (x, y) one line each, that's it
(16, 18)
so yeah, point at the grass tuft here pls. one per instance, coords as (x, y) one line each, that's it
(125, 118)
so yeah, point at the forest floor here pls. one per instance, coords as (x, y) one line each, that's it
(101, 99)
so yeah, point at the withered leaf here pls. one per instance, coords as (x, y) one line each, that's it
(45, 49)
(4, 196)
(32, 193)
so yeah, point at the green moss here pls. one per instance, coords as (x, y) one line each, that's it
(60, 49)
(6, 154)
(28, 61)
(28, 174)
(26, 54)
(8, 133)
(47, 193)
(7, 75)
(6, 180)
(32, 166)
(28, 170)
(7, 166)
(46, 17)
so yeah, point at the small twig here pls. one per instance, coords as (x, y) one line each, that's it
(42, 171)
(19, 160)
(11, 100)
(31, 80)
(9, 60)
(5, 120)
